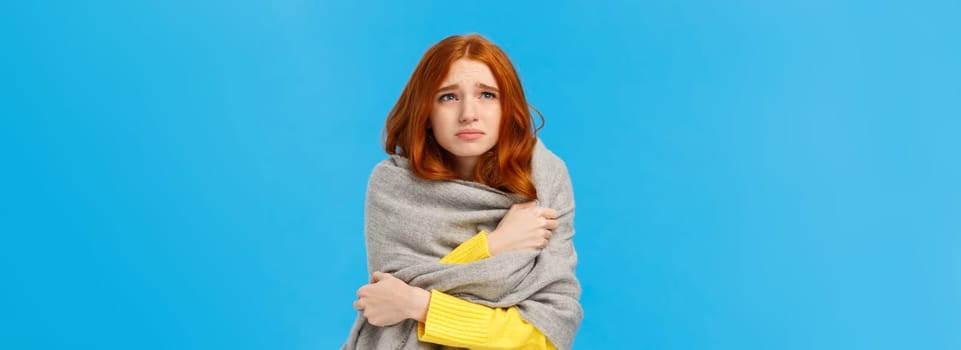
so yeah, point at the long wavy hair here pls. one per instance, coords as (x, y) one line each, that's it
(507, 166)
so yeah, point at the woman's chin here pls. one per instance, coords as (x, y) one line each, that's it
(469, 152)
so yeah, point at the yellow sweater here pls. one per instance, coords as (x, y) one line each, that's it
(452, 321)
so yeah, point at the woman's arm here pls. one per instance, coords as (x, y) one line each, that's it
(451, 321)
(525, 226)
(445, 319)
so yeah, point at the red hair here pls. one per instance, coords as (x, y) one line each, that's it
(507, 166)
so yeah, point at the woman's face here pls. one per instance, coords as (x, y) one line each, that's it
(466, 113)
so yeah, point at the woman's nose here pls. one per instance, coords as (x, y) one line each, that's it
(468, 112)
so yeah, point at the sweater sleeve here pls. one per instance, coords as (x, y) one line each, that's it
(452, 321)
(470, 251)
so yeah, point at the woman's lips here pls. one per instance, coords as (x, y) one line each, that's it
(468, 135)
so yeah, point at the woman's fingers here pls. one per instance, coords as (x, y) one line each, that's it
(548, 213)
(542, 239)
(550, 224)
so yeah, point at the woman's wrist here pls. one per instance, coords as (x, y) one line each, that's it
(493, 246)
(420, 302)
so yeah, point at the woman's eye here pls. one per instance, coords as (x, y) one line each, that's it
(488, 95)
(447, 97)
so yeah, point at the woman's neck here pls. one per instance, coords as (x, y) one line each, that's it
(464, 167)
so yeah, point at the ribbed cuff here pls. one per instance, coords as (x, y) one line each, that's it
(471, 250)
(454, 320)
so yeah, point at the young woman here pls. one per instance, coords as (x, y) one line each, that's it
(469, 222)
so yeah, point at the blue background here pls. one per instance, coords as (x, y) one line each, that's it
(749, 174)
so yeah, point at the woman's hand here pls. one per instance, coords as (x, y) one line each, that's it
(387, 300)
(526, 226)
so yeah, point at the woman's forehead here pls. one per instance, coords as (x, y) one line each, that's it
(467, 72)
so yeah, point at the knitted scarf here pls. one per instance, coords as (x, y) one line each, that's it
(410, 224)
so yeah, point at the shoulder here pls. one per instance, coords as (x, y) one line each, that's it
(546, 162)
(549, 172)
(552, 180)
(391, 169)
(392, 163)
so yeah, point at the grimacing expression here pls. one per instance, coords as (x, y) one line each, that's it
(466, 113)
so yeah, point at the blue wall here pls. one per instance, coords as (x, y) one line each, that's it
(749, 174)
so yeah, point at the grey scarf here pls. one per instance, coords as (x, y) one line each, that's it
(412, 223)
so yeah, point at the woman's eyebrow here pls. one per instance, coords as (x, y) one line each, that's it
(487, 87)
(456, 86)
(451, 87)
